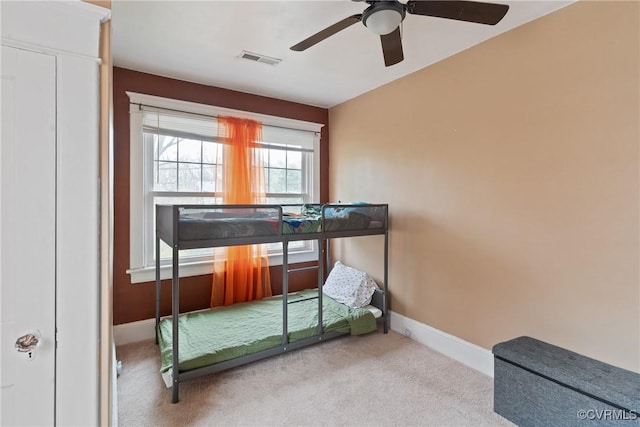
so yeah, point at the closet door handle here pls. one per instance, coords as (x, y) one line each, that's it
(28, 343)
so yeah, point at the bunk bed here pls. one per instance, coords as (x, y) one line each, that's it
(203, 342)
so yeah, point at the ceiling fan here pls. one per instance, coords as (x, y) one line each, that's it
(384, 18)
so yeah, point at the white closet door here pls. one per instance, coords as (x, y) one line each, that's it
(28, 236)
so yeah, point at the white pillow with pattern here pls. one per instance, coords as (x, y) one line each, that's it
(349, 286)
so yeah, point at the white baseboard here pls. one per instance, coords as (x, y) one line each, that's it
(134, 331)
(458, 349)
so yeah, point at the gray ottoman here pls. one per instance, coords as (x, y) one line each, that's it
(539, 384)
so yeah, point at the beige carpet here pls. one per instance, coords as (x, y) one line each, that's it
(371, 380)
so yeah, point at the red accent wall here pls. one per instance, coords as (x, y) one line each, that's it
(132, 302)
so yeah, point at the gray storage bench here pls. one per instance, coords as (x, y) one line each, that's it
(539, 384)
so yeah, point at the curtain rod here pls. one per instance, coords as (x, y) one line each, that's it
(140, 105)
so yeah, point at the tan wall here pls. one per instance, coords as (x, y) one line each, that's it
(106, 206)
(512, 174)
(102, 3)
(106, 225)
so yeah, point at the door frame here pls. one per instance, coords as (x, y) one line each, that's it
(35, 26)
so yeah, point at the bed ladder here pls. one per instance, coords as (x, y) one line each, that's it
(285, 289)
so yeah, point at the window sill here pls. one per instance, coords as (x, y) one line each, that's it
(187, 269)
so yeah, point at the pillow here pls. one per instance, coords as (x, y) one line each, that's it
(351, 287)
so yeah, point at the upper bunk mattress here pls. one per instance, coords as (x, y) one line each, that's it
(225, 333)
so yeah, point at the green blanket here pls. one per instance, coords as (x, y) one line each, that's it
(225, 333)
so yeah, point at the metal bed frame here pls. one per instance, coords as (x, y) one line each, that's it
(168, 230)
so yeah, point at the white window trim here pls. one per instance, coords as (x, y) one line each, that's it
(138, 271)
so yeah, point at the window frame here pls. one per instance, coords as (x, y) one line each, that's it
(142, 266)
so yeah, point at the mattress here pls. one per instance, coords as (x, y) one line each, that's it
(225, 333)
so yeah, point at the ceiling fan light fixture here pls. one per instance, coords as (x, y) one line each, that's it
(383, 17)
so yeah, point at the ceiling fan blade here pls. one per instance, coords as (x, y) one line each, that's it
(392, 47)
(327, 32)
(470, 11)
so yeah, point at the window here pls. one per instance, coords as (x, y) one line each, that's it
(176, 158)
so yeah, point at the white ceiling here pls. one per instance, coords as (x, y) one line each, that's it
(201, 41)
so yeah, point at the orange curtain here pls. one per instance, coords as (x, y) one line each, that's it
(243, 275)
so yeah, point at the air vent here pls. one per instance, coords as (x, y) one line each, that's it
(259, 58)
